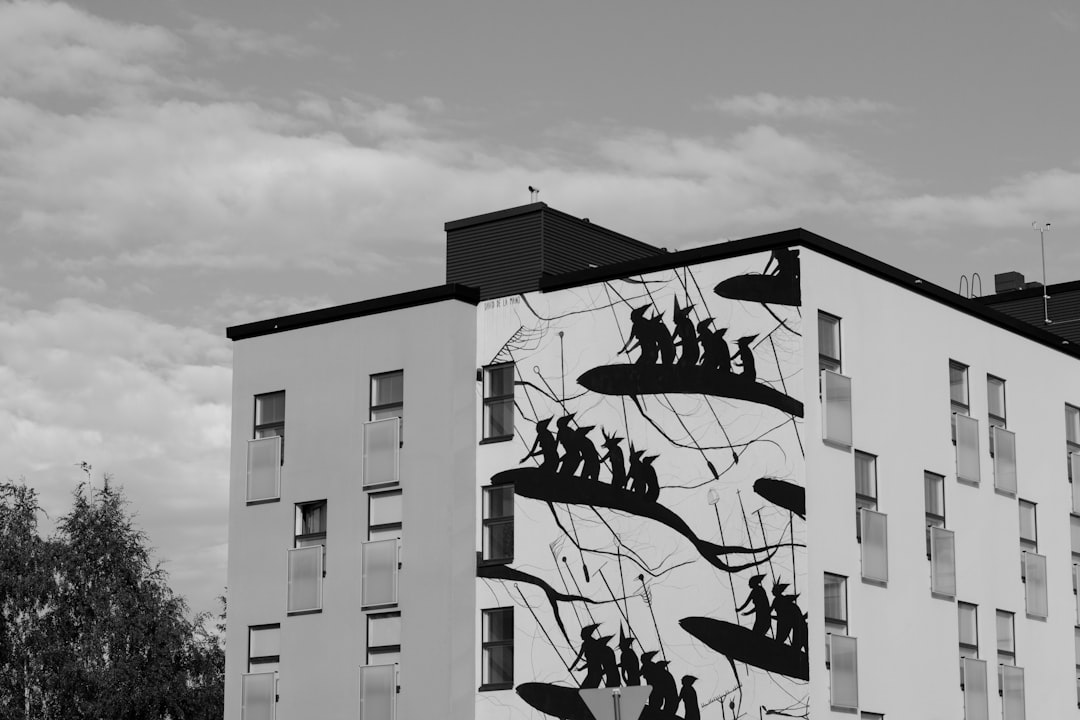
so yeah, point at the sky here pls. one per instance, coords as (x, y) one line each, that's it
(173, 168)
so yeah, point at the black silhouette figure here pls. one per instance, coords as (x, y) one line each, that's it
(664, 342)
(643, 476)
(590, 469)
(715, 352)
(688, 698)
(544, 446)
(787, 263)
(567, 438)
(611, 668)
(628, 660)
(746, 357)
(618, 462)
(643, 331)
(664, 695)
(789, 618)
(593, 657)
(761, 610)
(688, 338)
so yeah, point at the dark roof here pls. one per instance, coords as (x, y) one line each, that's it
(1062, 307)
(354, 310)
(834, 250)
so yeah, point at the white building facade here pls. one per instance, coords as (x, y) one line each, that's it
(772, 477)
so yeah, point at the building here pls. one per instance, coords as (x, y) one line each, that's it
(769, 477)
(1026, 301)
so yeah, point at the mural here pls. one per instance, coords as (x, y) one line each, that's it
(659, 513)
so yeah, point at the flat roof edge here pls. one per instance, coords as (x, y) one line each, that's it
(387, 303)
(493, 216)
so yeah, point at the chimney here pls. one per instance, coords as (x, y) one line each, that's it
(1008, 281)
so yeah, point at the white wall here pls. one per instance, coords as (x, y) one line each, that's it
(896, 348)
(325, 372)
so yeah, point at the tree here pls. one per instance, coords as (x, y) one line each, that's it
(99, 634)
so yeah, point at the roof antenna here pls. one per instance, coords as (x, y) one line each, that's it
(534, 194)
(1042, 230)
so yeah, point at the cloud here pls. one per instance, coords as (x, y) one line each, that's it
(53, 47)
(143, 400)
(230, 41)
(777, 107)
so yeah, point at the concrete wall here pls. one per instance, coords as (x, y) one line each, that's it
(325, 372)
(896, 348)
(598, 551)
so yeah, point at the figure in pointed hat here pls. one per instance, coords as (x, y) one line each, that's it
(618, 462)
(715, 352)
(664, 695)
(643, 331)
(590, 467)
(761, 610)
(746, 358)
(688, 698)
(664, 342)
(789, 617)
(545, 446)
(592, 657)
(688, 338)
(637, 481)
(628, 659)
(566, 437)
(648, 473)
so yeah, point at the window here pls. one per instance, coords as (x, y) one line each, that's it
(1076, 591)
(966, 438)
(383, 638)
(1034, 577)
(958, 387)
(310, 524)
(1076, 650)
(1029, 536)
(1074, 528)
(973, 683)
(828, 342)
(836, 409)
(270, 417)
(388, 398)
(874, 544)
(1006, 644)
(499, 402)
(968, 622)
(263, 470)
(498, 649)
(305, 579)
(995, 401)
(1003, 450)
(382, 452)
(934, 494)
(378, 692)
(499, 523)
(1011, 683)
(836, 619)
(264, 648)
(384, 515)
(1072, 437)
(942, 562)
(258, 696)
(844, 672)
(865, 486)
(379, 567)
(871, 716)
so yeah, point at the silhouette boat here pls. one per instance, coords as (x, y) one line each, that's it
(565, 703)
(542, 484)
(742, 644)
(775, 289)
(686, 379)
(782, 493)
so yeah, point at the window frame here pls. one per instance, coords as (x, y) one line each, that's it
(372, 497)
(993, 419)
(299, 536)
(933, 519)
(1028, 544)
(1072, 440)
(398, 405)
(862, 500)
(963, 408)
(1010, 654)
(490, 521)
(487, 643)
(490, 400)
(376, 651)
(825, 361)
(257, 660)
(274, 427)
(967, 649)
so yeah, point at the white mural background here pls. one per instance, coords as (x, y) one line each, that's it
(643, 575)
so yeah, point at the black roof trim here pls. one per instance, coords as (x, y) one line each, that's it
(493, 216)
(1024, 294)
(829, 248)
(400, 301)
